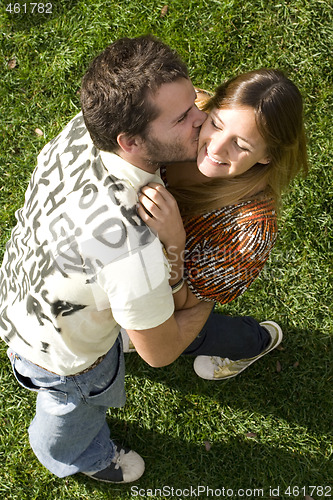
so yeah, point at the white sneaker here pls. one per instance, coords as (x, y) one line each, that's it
(126, 466)
(216, 368)
(127, 344)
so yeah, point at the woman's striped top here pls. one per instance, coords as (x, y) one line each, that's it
(226, 249)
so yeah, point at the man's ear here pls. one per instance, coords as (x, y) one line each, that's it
(129, 144)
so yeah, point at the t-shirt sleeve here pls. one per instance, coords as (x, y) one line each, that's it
(138, 289)
(222, 266)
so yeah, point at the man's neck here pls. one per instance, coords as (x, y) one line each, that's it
(138, 162)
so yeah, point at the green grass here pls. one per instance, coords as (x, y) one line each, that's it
(171, 415)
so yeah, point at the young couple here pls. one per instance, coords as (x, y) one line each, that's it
(81, 263)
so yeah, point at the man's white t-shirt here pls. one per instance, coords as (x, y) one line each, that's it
(80, 262)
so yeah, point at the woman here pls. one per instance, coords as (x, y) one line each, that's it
(250, 148)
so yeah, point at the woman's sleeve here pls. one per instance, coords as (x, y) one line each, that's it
(223, 266)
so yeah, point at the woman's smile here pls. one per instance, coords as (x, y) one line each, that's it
(214, 160)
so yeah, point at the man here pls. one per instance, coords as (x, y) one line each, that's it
(81, 262)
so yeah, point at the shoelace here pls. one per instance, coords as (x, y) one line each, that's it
(220, 362)
(117, 458)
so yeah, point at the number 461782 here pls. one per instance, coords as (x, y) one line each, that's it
(29, 8)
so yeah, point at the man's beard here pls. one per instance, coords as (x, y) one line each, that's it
(158, 153)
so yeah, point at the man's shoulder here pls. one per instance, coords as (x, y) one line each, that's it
(73, 134)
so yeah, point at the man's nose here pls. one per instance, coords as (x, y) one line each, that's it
(200, 117)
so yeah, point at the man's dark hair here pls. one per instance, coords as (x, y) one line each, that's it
(116, 89)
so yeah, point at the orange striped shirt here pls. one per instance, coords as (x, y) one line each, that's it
(226, 249)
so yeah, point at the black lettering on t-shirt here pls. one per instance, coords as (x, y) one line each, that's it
(45, 347)
(88, 196)
(52, 198)
(56, 165)
(80, 171)
(65, 308)
(5, 322)
(108, 234)
(35, 307)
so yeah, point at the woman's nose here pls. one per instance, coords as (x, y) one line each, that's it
(219, 144)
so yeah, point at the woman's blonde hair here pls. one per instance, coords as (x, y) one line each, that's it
(278, 108)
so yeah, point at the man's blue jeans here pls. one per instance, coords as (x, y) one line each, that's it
(69, 433)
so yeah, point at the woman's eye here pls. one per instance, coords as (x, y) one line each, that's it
(214, 125)
(241, 147)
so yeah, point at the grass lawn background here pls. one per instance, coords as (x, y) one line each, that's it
(271, 427)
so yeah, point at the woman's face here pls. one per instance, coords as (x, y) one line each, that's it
(230, 143)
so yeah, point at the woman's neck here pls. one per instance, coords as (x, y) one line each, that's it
(184, 174)
(180, 175)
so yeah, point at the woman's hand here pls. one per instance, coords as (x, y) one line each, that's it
(159, 210)
(164, 219)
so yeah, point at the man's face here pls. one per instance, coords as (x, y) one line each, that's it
(173, 136)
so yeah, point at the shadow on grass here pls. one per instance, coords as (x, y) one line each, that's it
(299, 394)
(294, 384)
(174, 466)
(234, 464)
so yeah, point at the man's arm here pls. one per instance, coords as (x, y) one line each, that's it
(162, 345)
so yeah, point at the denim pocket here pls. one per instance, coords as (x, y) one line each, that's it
(34, 378)
(104, 385)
